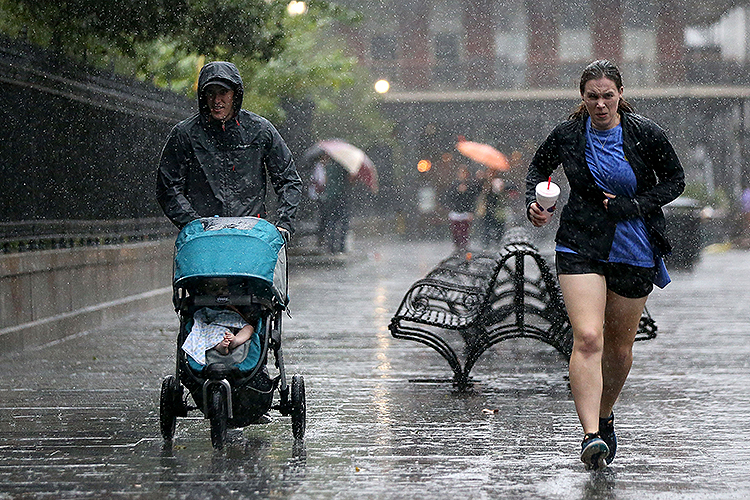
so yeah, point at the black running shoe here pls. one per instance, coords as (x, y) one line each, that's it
(607, 433)
(594, 451)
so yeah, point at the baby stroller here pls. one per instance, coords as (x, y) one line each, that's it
(237, 263)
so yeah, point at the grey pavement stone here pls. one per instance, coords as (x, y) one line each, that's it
(79, 418)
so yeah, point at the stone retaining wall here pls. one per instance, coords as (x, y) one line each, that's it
(46, 296)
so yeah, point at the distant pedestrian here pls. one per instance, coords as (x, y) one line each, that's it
(745, 208)
(335, 210)
(492, 207)
(318, 178)
(460, 199)
(621, 169)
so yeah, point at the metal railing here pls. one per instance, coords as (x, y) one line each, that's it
(34, 235)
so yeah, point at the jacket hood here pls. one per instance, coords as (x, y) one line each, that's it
(224, 72)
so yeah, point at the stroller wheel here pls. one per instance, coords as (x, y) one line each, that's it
(218, 418)
(170, 395)
(299, 407)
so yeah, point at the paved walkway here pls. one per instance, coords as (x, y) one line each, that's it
(79, 419)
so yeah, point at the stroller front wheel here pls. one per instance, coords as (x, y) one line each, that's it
(170, 393)
(299, 407)
(218, 418)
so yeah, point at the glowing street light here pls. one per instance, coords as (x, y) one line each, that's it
(295, 8)
(382, 86)
(424, 166)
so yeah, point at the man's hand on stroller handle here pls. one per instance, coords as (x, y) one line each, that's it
(285, 233)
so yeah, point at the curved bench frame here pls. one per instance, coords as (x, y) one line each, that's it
(488, 298)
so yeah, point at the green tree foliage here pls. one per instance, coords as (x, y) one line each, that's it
(281, 57)
(312, 65)
(215, 28)
(74, 26)
(318, 66)
(225, 28)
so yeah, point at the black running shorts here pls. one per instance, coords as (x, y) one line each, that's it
(628, 281)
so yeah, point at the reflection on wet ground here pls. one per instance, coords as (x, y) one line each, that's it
(80, 419)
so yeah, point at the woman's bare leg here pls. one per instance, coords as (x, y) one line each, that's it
(585, 297)
(620, 327)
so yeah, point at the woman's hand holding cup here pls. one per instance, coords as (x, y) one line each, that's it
(546, 199)
(537, 216)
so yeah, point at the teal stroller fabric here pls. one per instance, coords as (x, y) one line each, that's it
(233, 247)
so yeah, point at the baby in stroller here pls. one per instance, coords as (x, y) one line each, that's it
(220, 330)
(230, 291)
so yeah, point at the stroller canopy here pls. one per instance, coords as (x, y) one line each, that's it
(232, 247)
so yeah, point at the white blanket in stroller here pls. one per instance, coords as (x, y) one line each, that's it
(209, 327)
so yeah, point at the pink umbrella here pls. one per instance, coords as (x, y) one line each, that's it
(353, 159)
(484, 154)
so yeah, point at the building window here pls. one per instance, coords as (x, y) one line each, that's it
(574, 14)
(446, 47)
(383, 48)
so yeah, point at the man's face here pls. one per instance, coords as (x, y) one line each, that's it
(219, 100)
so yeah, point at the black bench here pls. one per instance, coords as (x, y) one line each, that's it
(487, 298)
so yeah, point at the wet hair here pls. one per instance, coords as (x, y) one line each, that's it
(594, 71)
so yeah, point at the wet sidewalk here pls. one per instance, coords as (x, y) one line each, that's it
(79, 419)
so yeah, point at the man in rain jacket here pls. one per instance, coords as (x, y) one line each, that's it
(216, 161)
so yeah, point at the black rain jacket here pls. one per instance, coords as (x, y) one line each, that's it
(586, 226)
(208, 168)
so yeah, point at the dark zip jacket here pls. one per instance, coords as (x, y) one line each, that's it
(211, 168)
(586, 226)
